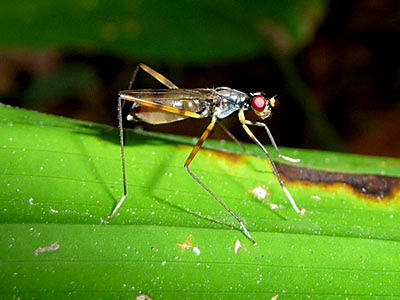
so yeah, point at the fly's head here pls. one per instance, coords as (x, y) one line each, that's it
(261, 104)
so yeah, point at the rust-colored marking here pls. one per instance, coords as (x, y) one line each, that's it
(187, 244)
(368, 185)
(228, 156)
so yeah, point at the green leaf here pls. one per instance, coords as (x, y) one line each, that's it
(60, 178)
(181, 30)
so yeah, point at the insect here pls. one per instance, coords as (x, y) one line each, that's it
(161, 106)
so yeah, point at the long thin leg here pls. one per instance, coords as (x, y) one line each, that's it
(189, 160)
(161, 79)
(271, 138)
(153, 73)
(230, 134)
(121, 139)
(250, 133)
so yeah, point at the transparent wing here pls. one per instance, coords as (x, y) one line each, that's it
(162, 95)
(160, 106)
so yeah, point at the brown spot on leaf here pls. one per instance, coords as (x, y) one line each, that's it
(230, 157)
(372, 186)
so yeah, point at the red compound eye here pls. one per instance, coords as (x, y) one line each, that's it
(259, 103)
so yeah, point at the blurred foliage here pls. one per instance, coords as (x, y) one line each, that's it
(331, 63)
(62, 83)
(182, 30)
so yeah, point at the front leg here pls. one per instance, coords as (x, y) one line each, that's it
(271, 138)
(243, 121)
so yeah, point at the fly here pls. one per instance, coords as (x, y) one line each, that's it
(161, 106)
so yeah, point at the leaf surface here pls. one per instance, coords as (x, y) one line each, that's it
(60, 178)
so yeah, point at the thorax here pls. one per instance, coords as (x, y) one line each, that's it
(230, 100)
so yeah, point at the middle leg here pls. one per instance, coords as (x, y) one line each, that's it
(189, 160)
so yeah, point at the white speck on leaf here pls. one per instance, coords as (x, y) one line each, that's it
(274, 206)
(238, 245)
(196, 250)
(260, 192)
(143, 297)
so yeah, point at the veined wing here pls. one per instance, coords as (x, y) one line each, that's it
(160, 106)
(170, 94)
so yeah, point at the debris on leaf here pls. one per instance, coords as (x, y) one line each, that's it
(188, 245)
(238, 245)
(143, 297)
(51, 248)
(196, 250)
(274, 206)
(260, 192)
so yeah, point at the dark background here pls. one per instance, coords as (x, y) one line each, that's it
(338, 89)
